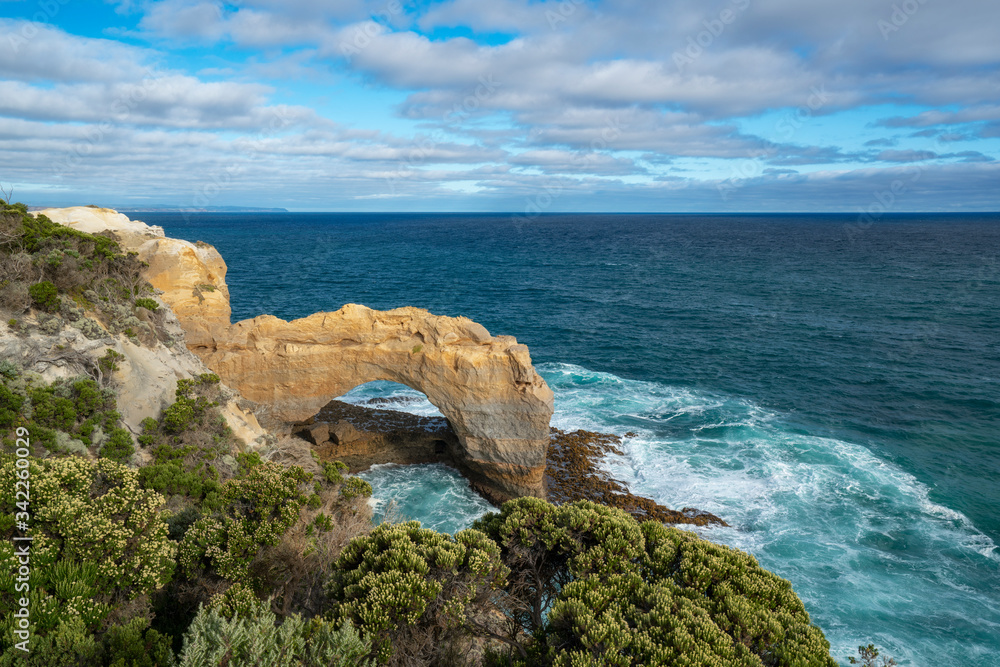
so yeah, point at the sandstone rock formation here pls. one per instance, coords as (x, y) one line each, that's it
(498, 406)
(191, 276)
(486, 387)
(192, 279)
(95, 220)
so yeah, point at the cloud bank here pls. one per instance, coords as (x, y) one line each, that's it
(462, 105)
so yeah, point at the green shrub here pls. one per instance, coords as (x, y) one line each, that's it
(109, 362)
(135, 644)
(99, 546)
(178, 417)
(9, 369)
(415, 590)
(192, 403)
(147, 303)
(129, 645)
(354, 487)
(149, 428)
(69, 643)
(10, 407)
(869, 658)
(257, 639)
(45, 296)
(51, 410)
(172, 477)
(333, 471)
(77, 407)
(119, 447)
(622, 593)
(259, 507)
(89, 398)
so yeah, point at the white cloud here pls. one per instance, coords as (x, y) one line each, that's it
(580, 89)
(185, 20)
(52, 55)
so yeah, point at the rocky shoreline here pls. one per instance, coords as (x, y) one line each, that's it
(283, 375)
(362, 436)
(573, 474)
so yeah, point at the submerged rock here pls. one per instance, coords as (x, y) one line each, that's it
(573, 474)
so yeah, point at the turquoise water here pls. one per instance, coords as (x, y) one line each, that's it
(830, 391)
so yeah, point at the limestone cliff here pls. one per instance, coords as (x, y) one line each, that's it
(146, 377)
(486, 386)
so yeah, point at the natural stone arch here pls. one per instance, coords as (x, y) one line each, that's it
(486, 387)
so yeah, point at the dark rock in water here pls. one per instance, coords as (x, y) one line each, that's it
(572, 474)
(392, 400)
(343, 432)
(361, 436)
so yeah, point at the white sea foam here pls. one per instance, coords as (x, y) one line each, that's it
(868, 551)
(400, 398)
(872, 556)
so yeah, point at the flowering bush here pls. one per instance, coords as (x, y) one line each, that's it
(621, 593)
(259, 507)
(416, 590)
(256, 638)
(99, 543)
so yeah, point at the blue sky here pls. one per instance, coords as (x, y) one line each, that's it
(506, 105)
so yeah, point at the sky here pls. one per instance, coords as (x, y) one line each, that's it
(523, 106)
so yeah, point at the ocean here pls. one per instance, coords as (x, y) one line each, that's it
(828, 386)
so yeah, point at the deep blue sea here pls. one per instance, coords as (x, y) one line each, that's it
(831, 389)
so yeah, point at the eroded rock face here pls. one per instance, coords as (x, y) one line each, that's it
(192, 277)
(486, 387)
(497, 405)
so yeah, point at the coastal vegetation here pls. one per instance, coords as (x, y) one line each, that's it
(71, 277)
(182, 546)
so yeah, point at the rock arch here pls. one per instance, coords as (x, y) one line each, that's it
(498, 406)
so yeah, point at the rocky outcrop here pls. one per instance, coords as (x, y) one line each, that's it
(95, 220)
(486, 386)
(146, 376)
(361, 436)
(191, 277)
(192, 280)
(497, 405)
(574, 473)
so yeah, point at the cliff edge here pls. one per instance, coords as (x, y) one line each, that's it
(485, 385)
